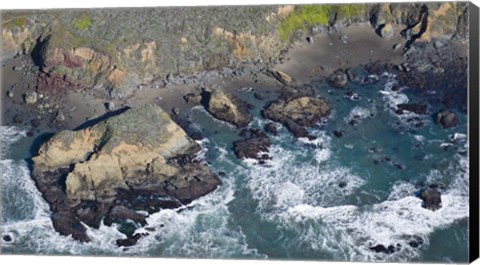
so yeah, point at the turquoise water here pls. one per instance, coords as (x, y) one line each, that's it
(324, 199)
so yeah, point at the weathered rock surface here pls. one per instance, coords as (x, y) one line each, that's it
(447, 119)
(338, 79)
(282, 77)
(431, 197)
(141, 153)
(254, 143)
(298, 113)
(417, 108)
(226, 108)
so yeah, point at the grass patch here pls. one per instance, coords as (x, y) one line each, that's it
(83, 22)
(18, 22)
(307, 16)
(304, 17)
(350, 11)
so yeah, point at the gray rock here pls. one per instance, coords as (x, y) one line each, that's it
(60, 116)
(438, 44)
(176, 111)
(10, 94)
(397, 46)
(447, 119)
(386, 31)
(431, 197)
(110, 106)
(30, 98)
(310, 39)
(338, 79)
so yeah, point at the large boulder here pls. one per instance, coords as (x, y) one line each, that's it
(85, 175)
(447, 119)
(338, 79)
(227, 109)
(298, 113)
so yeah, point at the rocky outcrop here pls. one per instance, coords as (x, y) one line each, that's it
(338, 79)
(447, 119)
(431, 197)
(226, 108)
(417, 108)
(255, 143)
(298, 113)
(282, 77)
(137, 160)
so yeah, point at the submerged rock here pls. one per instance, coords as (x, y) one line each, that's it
(226, 109)
(84, 175)
(298, 113)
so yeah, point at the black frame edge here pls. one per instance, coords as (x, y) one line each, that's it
(473, 131)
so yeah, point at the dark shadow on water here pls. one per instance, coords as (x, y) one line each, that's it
(35, 146)
(101, 118)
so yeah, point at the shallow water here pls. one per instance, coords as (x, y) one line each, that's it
(323, 199)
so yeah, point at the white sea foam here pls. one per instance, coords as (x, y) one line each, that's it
(201, 229)
(296, 177)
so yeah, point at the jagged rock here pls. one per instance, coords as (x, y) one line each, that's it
(282, 77)
(310, 39)
(271, 128)
(338, 79)
(255, 142)
(192, 98)
(60, 116)
(417, 108)
(120, 212)
(447, 119)
(110, 106)
(30, 98)
(129, 241)
(386, 31)
(431, 197)
(226, 109)
(10, 94)
(140, 152)
(397, 46)
(298, 113)
(66, 224)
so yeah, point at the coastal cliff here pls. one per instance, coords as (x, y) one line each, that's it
(117, 49)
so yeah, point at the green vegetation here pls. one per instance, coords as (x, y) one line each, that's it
(307, 16)
(83, 22)
(350, 11)
(304, 17)
(17, 22)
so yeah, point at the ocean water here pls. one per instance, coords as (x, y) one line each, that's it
(324, 199)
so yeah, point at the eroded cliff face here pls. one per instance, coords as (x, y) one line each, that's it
(141, 152)
(117, 49)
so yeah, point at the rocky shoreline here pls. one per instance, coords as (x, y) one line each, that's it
(119, 151)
